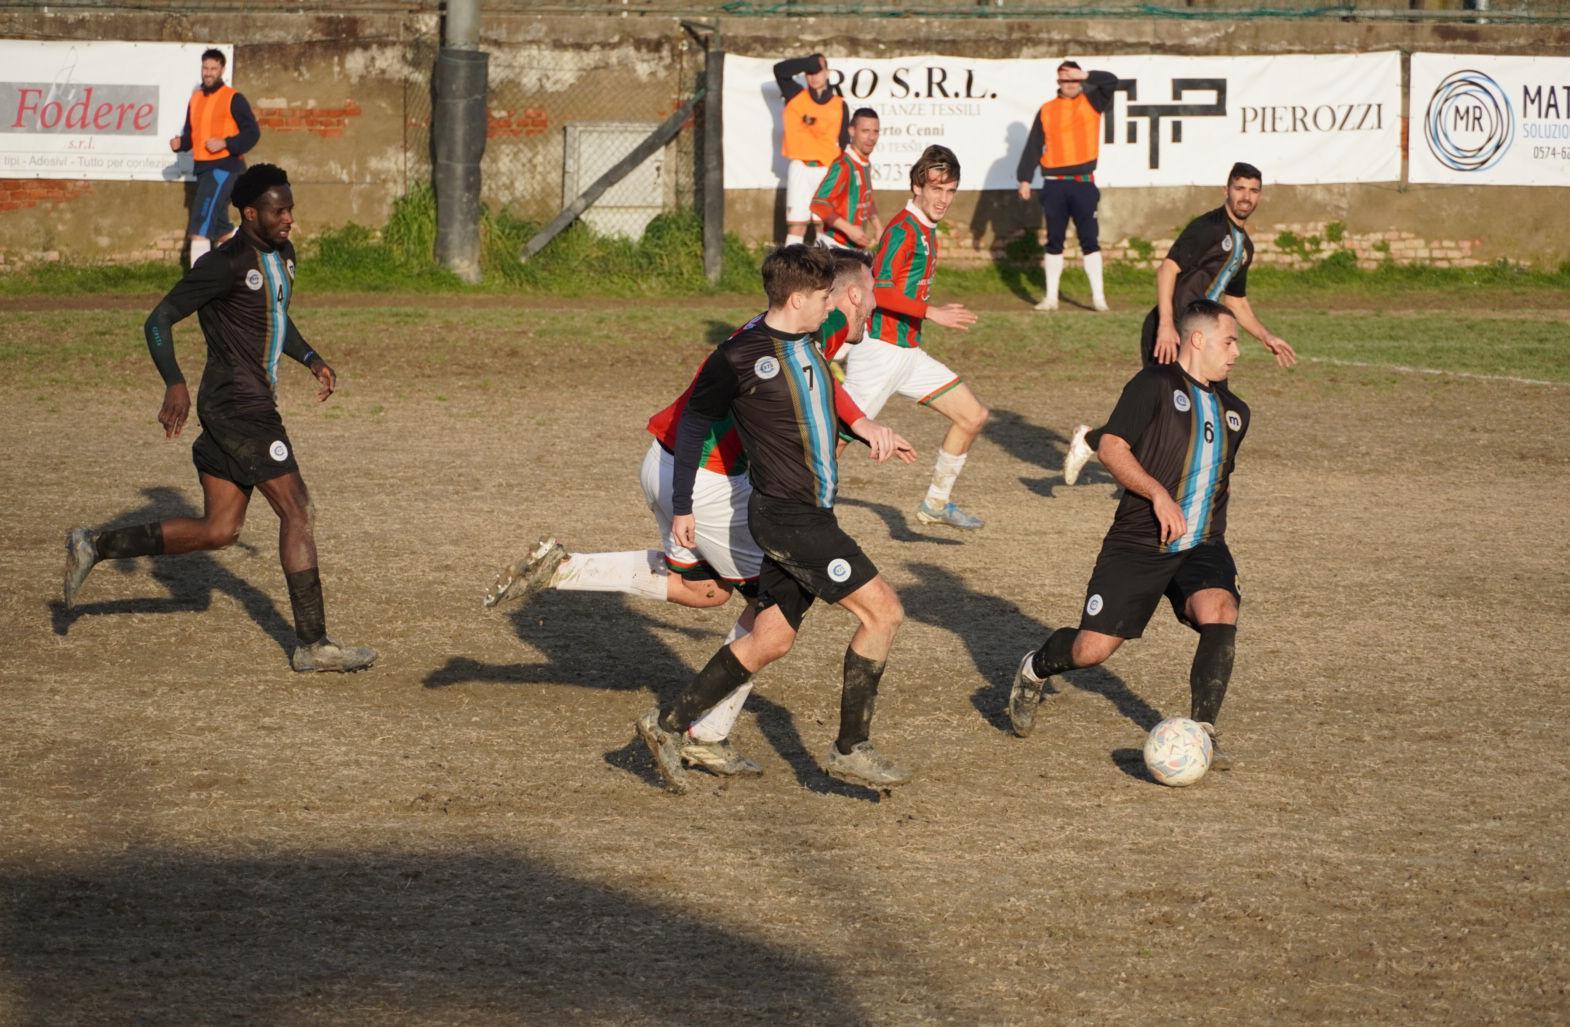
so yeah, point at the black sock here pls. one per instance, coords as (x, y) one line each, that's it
(124, 543)
(1093, 438)
(1056, 654)
(723, 675)
(1207, 681)
(305, 596)
(857, 698)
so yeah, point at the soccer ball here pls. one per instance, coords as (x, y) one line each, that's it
(1177, 753)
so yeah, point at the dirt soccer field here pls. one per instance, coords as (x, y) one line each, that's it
(471, 833)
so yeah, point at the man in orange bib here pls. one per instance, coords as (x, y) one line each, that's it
(817, 130)
(219, 128)
(1064, 143)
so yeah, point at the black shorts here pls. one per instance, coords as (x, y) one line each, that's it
(244, 450)
(1128, 582)
(210, 206)
(806, 556)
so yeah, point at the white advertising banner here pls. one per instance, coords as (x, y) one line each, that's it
(1173, 121)
(1479, 120)
(96, 110)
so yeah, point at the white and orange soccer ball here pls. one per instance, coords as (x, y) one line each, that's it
(1177, 753)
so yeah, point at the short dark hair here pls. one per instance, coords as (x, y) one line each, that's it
(1243, 170)
(848, 262)
(796, 268)
(863, 112)
(934, 158)
(1199, 314)
(254, 181)
(215, 54)
(1070, 64)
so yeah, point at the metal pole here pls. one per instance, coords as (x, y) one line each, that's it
(458, 135)
(713, 162)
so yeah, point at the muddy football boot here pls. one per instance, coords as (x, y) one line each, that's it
(665, 747)
(718, 757)
(864, 765)
(329, 656)
(1219, 760)
(1024, 697)
(1078, 455)
(527, 576)
(948, 514)
(80, 556)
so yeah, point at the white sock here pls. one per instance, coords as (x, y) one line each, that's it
(199, 247)
(795, 238)
(1093, 272)
(717, 724)
(641, 572)
(1052, 263)
(943, 474)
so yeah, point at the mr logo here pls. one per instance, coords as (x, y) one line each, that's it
(253, 279)
(1234, 420)
(766, 368)
(1180, 401)
(839, 571)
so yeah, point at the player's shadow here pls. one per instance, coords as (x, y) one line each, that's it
(1001, 215)
(191, 579)
(1132, 763)
(899, 525)
(485, 935)
(1040, 447)
(997, 633)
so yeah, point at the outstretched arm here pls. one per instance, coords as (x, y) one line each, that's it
(1285, 355)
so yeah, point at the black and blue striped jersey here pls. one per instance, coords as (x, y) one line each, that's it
(1214, 255)
(1186, 436)
(785, 404)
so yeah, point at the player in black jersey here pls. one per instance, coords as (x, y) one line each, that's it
(240, 292)
(772, 378)
(1209, 260)
(1172, 444)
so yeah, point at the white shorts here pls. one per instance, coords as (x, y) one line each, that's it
(719, 506)
(876, 370)
(801, 183)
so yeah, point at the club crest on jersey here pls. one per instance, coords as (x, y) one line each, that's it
(288, 267)
(1226, 245)
(766, 368)
(1181, 401)
(839, 571)
(1234, 420)
(253, 279)
(1093, 606)
(278, 451)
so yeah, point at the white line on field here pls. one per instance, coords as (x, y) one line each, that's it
(1433, 371)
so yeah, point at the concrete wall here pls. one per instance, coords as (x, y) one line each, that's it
(344, 103)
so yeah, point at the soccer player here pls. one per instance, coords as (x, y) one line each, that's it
(843, 203)
(241, 293)
(773, 380)
(1064, 144)
(1172, 444)
(890, 359)
(219, 128)
(725, 558)
(817, 128)
(1210, 260)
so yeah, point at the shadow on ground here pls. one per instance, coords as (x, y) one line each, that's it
(381, 937)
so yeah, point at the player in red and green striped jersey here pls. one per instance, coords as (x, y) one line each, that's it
(843, 202)
(890, 359)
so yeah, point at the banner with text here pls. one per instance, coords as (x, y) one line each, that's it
(95, 109)
(1173, 120)
(1480, 120)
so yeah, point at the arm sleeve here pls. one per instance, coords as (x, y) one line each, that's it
(185, 132)
(1030, 160)
(785, 73)
(294, 344)
(207, 281)
(832, 194)
(1136, 408)
(1190, 246)
(250, 132)
(713, 391)
(893, 267)
(1099, 87)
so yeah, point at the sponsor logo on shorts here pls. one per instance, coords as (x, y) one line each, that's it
(253, 280)
(1234, 420)
(766, 368)
(1180, 400)
(1093, 606)
(278, 451)
(1226, 245)
(839, 570)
